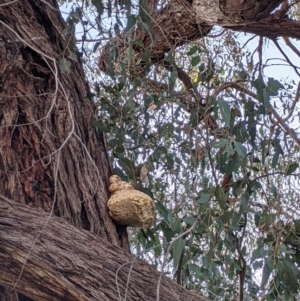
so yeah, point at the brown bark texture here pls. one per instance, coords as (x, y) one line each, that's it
(67, 263)
(231, 12)
(272, 27)
(50, 156)
(49, 150)
(182, 21)
(174, 25)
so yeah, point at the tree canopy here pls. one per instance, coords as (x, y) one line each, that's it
(199, 103)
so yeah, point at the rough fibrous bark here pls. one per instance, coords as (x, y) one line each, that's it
(67, 263)
(272, 28)
(50, 156)
(48, 146)
(172, 27)
(230, 12)
(182, 21)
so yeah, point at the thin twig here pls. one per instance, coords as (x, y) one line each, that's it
(242, 261)
(286, 57)
(291, 45)
(293, 104)
(269, 107)
(9, 3)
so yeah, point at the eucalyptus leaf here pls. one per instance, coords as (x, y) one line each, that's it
(240, 149)
(225, 111)
(177, 250)
(267, 270)
(291, 168)
(195, 60)
(204, 198)
(131, 21)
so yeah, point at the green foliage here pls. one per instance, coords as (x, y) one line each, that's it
(237, 183)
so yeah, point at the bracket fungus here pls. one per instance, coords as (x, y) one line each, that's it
(128, 206)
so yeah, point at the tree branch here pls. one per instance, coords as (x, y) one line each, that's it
(270, 108)
(68, 263)
(271, 28)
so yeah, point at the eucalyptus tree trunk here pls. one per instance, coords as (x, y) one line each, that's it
(50, 156)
